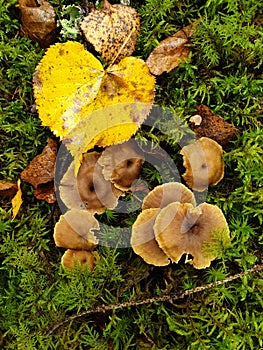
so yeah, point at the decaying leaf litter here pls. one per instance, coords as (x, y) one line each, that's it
(110, 84)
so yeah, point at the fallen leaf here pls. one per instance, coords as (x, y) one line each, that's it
(206, 124)
(17, 200)
(41, 169)
(7, 189)
(171, 51)
(38, 21)
(112, 30)
(46, 192)
(86, 105)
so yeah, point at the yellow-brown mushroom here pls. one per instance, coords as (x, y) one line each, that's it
(86, 259)
(122, 164)
(181, 229)
(203, 162)
(143, 239)
(75, 230)
(89, 189)
(167, 193)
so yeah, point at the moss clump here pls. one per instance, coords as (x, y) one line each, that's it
(225, 73)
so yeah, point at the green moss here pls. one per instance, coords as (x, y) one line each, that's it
(223, 72)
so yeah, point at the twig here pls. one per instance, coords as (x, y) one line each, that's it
(170, 298)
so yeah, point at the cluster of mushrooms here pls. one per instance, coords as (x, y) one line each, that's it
(170, 223)
(101, 179)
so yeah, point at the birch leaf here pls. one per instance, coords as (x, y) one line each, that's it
(108, 28)
(171, 51)
(87, 105)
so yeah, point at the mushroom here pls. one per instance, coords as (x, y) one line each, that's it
(74, 230)
(181, 228)
(85, 258)
(89, 190)
(167, 193)
(122, 164)
(203, 162)
(143, 240)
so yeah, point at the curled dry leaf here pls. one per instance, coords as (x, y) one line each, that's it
(171, 51)
(7, 189)
(112, 30)
(46, 192)
(41, 168)
(40, 172)
(38, 21)
(205, 123)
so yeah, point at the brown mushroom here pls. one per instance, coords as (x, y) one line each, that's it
(74, 230)
(89, 189)
(143, 239)
(86, 259)
(122, 164)
(203, 162)
(167, 193)
(181, 229)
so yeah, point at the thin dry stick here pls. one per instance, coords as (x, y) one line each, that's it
(170, 298)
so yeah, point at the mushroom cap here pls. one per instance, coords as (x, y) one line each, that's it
(143, 239)
(181, 229)
(203, 162)
(89, 190)
(167, 193)
(86, 259)
(122, 164)
(74, 230)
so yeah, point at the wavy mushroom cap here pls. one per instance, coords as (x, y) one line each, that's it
(143, 239)
(89, 189)
(167, 193)
(122, 164)
(203, 162)
(74, 230)
(86, 259)
(181, 229)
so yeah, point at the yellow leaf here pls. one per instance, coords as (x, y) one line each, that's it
(86, 105)
(17, 201)
(66, 78)
(104, 127)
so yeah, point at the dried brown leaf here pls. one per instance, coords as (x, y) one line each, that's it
(41, 168)
(206, 124)
(46, 192)
(38, 21)
(112, 30)
(171, 51)
(7, 189)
